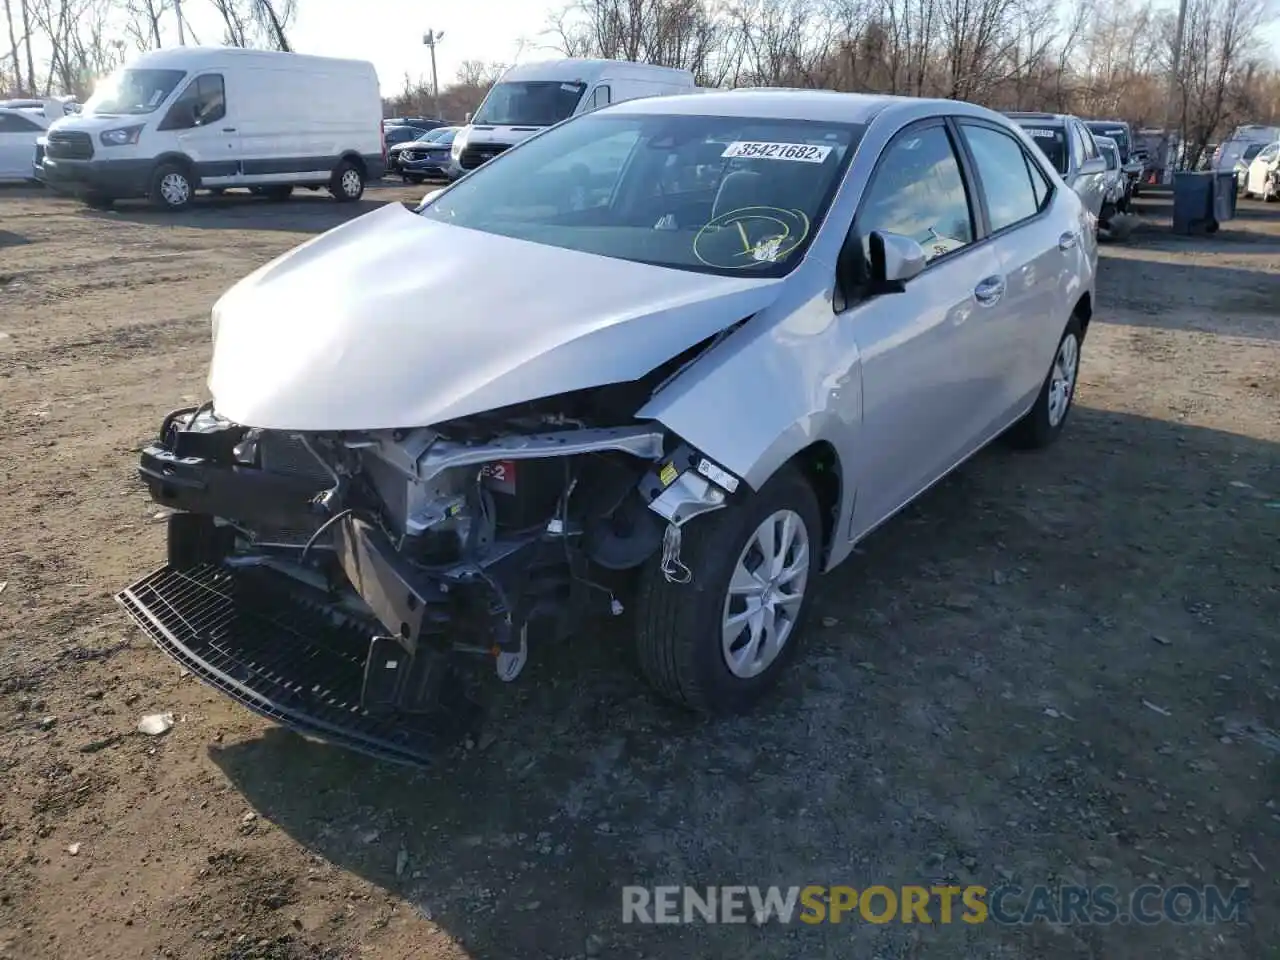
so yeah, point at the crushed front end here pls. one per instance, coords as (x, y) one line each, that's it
(334, 582)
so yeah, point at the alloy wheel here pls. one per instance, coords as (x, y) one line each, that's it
(1062, 382)
(766, 591)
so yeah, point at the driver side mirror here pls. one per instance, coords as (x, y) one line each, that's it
(895, 260)
(1093, 165)
(889, 263)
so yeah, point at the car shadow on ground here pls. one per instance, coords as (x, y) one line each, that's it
(984, 689)
(304, 212)
(1223, 300)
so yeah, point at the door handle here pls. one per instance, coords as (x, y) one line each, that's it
(989, 291)
(228, 129)
(1066, 241)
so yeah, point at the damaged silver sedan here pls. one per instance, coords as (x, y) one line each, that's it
(672, 359)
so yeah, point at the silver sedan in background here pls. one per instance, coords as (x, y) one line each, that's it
(677, 355)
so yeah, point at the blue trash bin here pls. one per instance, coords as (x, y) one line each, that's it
(1194, 203)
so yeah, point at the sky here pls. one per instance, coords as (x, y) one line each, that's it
(389, 33)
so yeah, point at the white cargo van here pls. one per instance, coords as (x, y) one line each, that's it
(189, 118)
(532, 96)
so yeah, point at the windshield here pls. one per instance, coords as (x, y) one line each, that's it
(529, 103)
(1251, 151)
(726, 195)
(1053, 142)
(1118, 134)
(132, 92)
(401, 134)
(432, 135)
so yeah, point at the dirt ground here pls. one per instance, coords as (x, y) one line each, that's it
(1057, 668)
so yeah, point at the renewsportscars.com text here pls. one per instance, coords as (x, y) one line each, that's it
(878, 904)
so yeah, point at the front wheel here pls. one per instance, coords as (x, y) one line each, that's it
(171, 188)
(1045, 420)
(718, 642)
(347, 182)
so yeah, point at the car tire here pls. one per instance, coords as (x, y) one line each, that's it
(682, 643)
(347, 182)
(171, 187)
(1043, 423)
(1268, 192)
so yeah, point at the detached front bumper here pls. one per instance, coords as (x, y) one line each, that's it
(261, 639)
(309, 649)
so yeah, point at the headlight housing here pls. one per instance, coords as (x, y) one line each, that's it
(121, 136)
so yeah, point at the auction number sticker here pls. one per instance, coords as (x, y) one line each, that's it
(1042, 134)
(762, 150)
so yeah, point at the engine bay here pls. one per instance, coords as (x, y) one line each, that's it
(461, 538)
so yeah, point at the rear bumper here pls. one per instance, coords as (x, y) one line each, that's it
(109, 178)
(277, 648)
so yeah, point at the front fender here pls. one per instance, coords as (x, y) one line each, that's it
(790, 377)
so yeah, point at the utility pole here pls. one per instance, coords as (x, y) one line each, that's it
(430, 39)
(177, 12)
(1174, 75)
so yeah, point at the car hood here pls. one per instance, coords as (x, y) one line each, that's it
(394, 320)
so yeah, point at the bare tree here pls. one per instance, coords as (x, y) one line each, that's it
(1221, 40)
(143, 25)
(479, 73)
(19, 85)
(252, 23)
(1084, 57)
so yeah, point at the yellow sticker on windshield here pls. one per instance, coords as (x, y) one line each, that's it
(667, 475)
(750, 236)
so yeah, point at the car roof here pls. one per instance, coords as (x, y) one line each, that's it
(1019, 115)
(773, 103)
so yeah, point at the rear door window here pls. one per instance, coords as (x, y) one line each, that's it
(1005, 175)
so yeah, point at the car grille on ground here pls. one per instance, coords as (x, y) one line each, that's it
(475, 154)
(250, 634)
(70, 145)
